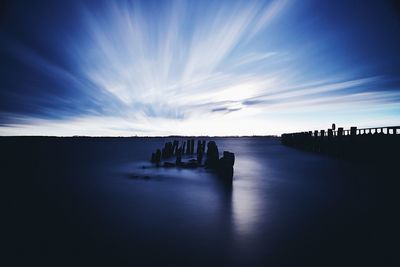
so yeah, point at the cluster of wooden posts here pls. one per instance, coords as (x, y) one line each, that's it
(351, 143)
(186, 150)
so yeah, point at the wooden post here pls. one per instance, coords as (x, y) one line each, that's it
(330, 133)
(353, 131)
(178, 156)
(188, 147)
(192, 146)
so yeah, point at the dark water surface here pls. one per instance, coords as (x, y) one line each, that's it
(89, 202)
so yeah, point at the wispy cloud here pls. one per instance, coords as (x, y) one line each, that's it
(195, 66)
(273, 9)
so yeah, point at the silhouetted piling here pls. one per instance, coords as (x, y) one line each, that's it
(198, 146)
(340, 131)
(158, 156)
(192, 146)
(223, 166)
(200, 152)
(178, 156)
(353, 131)
(330, 133)
(188, 146)
(212, 155)
(175, 146)
(167, 151)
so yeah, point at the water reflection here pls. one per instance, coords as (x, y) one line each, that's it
(248, 204)
(244, 211)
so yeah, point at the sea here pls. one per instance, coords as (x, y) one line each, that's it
(100, 202)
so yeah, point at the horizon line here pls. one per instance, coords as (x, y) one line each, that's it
(140, 136)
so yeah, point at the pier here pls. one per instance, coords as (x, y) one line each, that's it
(366, 144)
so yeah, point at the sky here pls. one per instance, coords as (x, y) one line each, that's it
(154, 68)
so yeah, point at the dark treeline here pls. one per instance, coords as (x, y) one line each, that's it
(369, 144)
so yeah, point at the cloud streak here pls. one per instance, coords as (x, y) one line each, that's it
(186, 66)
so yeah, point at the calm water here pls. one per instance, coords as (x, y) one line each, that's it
(85, 202)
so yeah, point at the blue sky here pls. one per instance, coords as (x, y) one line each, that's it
(197, 67)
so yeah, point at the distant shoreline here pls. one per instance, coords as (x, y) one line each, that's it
(170, 136)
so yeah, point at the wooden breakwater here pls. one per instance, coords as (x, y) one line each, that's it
(186, 150)
(375, 144)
